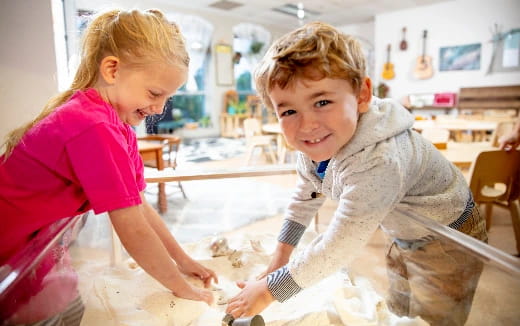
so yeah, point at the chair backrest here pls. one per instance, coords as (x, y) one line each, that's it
(493, 168)
(503, 128)
(252, 127)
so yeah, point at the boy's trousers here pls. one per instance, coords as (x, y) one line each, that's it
(434, 278)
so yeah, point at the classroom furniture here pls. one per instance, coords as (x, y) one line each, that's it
(171, 145)
(459, 127)
(479, 99)
(160, 151)
(282, 147)
(463, 155)
(503, 128)
(153, 153)
(438, 136)
(231, 122)
(495, 180)
(256, 139)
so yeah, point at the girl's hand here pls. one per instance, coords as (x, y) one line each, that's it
(252, 300)
(192, 268)
(193, 293)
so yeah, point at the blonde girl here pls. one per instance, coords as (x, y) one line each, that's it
(80, 153)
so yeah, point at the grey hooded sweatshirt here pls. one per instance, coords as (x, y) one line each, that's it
(386, 165)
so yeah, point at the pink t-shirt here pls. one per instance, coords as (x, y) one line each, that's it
(80, 157)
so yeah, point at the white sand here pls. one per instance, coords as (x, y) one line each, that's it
(126, 295)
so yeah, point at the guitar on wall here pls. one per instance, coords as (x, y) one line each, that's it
(423, 65)
(388, 69)
(403, 45)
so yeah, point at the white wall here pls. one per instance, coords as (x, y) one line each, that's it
(27, 61)
(448, 23)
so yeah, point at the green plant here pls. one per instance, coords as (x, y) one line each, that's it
(256, 47)
(240, 106)
(205, 121)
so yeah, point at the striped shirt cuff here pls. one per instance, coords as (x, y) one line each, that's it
(291, 232)
(282, 285)
(468, 211)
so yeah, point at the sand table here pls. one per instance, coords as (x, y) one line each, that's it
(126, 295)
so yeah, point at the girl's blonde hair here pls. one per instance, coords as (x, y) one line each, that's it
(135, 37)
(313, 51)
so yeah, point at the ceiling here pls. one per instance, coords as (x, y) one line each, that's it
(335, 12)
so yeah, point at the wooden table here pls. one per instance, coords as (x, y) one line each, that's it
(457, 127)
(154, 151)
(464, 154)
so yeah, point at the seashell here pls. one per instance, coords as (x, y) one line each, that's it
(219, 247)
(236, 259)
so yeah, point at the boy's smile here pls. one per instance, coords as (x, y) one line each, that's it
(318, 117)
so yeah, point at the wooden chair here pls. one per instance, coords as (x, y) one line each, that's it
(438, 136)
(171, 146)
(255, 138)
(495, 180)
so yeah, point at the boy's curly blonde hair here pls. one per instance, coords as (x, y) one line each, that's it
(313, 51)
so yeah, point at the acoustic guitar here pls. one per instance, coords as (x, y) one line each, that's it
(388, 69)
(423, 66)
(403, 45)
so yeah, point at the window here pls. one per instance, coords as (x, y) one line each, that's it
(190, 100)
(250, 43)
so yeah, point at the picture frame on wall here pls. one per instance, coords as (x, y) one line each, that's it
(506, 52)
(224, 64)
(460, 57)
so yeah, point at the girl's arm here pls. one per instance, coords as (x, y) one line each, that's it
(144, 245)
(186, 264)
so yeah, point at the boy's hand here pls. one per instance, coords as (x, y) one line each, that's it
(192, 268)
(252, 300)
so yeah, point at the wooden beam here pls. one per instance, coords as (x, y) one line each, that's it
(169, 175)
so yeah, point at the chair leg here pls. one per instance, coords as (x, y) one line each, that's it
(271, 154)
(489, 210)
(182, 190)
(282, 153)
(514, 209)
(250, 150)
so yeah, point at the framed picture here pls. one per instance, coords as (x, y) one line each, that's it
(224, 62)
(506, 52)
(460, 57)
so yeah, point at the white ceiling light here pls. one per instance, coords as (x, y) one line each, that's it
(300, 13)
